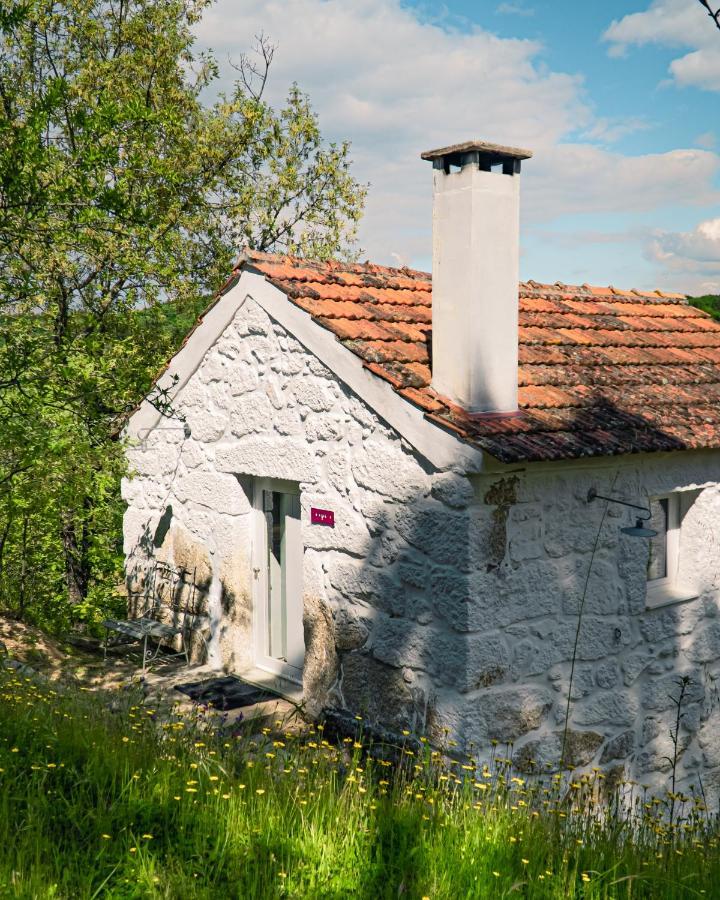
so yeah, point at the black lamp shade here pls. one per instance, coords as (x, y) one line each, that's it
(639, 530)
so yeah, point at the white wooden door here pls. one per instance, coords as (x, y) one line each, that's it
(277, 565)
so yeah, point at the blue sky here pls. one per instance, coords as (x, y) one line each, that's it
(619, 101)
(633, 87)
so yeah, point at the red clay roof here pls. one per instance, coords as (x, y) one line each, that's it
(602, 371)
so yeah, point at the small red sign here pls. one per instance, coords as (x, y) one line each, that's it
(322, 517)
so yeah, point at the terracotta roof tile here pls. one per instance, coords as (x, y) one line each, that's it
(384, 372)
(369, 330)
(708, 354)
(447, 422)
(530, 335)
(423, 399)
(601, 370)
(538, 304)
(388, 351)
(335, 309)
(417, 374)
(529, 355)
(402, 313)
(544, 396)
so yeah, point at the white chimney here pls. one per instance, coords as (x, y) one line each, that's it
(475, 274)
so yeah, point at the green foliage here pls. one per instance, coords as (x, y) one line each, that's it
(123, 202)
(709, 303)
(100, 801)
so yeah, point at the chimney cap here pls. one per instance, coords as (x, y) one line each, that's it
(497, 151)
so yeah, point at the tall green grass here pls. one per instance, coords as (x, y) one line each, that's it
(99, 799)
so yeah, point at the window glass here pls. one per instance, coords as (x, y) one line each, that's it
(659, 521)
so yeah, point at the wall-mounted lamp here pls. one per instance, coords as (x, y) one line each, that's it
(636, 530)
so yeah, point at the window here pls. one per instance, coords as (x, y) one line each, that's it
(662, 559)
(666, 514)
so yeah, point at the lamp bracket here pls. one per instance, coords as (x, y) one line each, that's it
(593, 495)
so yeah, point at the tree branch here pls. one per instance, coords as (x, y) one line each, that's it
(254, 75)
(715, 16)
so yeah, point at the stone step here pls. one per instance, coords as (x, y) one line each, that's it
(160, 694)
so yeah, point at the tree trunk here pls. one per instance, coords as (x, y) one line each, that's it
(22, 599)
(77, 566)
(3, 541)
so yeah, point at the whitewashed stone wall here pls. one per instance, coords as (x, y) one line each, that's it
(438, 602)
(541, 531)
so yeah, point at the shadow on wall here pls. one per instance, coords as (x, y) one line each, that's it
(463, 620)
(166, 567)
(395, 648)
(217, 597)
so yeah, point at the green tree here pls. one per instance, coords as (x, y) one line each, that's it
(710, 303)
(124, 199)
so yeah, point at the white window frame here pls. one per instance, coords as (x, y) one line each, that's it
(663, 591)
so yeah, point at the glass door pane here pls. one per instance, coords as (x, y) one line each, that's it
(280, 643)
(276, 607)
(292, 582)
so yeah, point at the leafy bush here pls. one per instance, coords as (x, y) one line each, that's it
(709, 303)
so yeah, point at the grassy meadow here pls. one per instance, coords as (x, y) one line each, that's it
(100, 798)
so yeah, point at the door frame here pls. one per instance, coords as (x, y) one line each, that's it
(293, 571)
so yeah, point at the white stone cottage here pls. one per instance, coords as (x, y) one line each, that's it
(384, 500)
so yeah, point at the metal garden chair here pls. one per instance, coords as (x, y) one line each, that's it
(160, 624)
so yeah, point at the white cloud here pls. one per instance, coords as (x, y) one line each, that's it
(673, 23)
(581, 178)
(707, 140)
(396, 85)
(514, 9)
(693, 256)
(701, 68)
(372, 67)
(701, 245)
(610, 130)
